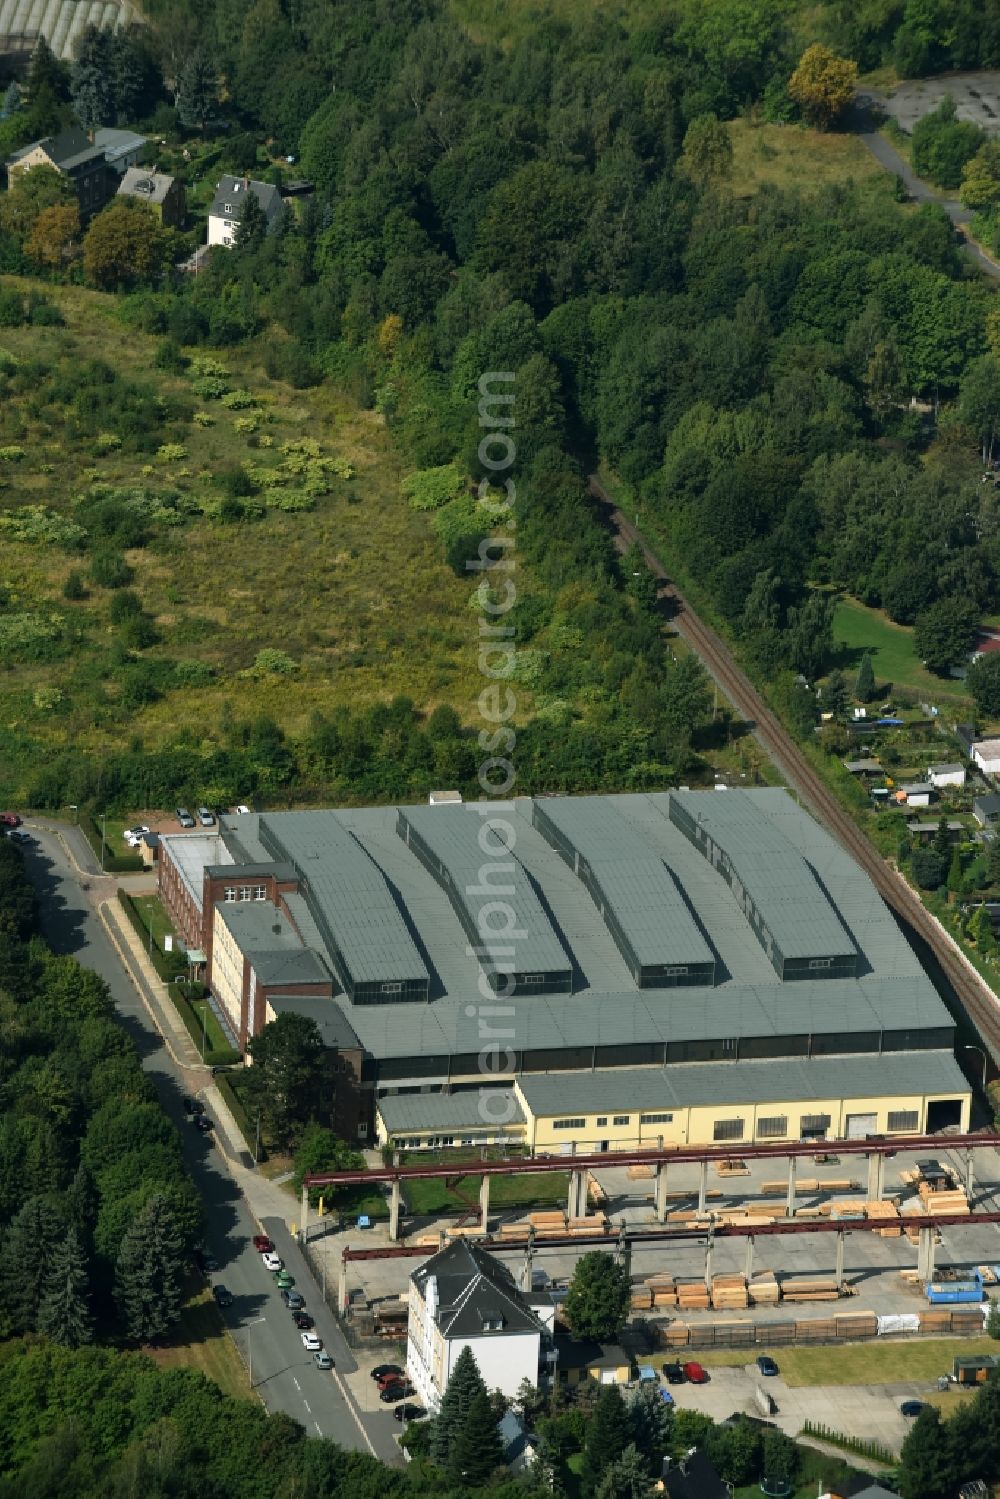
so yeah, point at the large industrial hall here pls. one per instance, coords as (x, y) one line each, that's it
(575, 973)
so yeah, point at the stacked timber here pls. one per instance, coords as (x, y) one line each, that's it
(677, 1335)
(692, 1296)
(909, 1177)
(838, 1184)
(810, 1288)
(816, 1330)
(818, 1212)
(465, 1231)
(584, 1228)
(773, 1189)
(763, 1289)
(662, 1290)
(936, 1321)
(854, 1325)
(746, 1220)
(642, 1299)
(595, 1192)
(428, 1241)
(936, 1204)
(552, 1221)
(732, 1167)
(638, 1173)
(729, 1293)
(518, 1230)
(886, 1214)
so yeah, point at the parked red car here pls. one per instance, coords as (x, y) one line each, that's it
(9, 820)
(262, 1244)
(385, 1380)
(696, 1374)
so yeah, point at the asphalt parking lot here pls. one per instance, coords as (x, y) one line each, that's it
(976, 96)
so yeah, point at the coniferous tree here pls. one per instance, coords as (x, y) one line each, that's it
(64, 1311)
(607, 1437)
(92, 78)
(197, 91)
(927, 1465)
(864, 686)
(627, 1478)
(11, 98)
(251, 223)
(32, 1240)
(81, 1203)
(465, 1384)
(149, 1272)
(476, 1452)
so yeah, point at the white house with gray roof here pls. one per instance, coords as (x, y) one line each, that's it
(230, 195)
(465, 1298)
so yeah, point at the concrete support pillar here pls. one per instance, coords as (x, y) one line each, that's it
(748, 1263)
(304, 1223)
(661, 1192)
(970, 1175)
(576, 1206)
(342, 1286)
(925, 1255)
(839, 1271)
(484, 1204)
(529, 1255)
(394, 1210)
(790, 1200)
(709, 1255)
(703, 1187)
(623, 1250)
(876, 1177)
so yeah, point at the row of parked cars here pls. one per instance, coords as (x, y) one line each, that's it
(394, 1389)
(10, 827)
(294, 1300)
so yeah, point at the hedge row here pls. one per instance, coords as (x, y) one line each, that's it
(113, 863)
(167, 964)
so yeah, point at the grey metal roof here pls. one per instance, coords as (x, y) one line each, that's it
(118, 143)
(707, 1084)
(333, 1024)
(149, 187)
(780, 883)
(192, 854)
(452, 835)
(302, 967)
(633, 881)
(347, 894)
(951, 768)
(460, 1110)
(233, 190)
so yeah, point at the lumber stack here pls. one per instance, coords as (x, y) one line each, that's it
(763, 1289)
(642, 1299)
(887, 1215)
(584, 1228)
(550, 1221)
(810, 1288)
(729, 1293)
(465, 1231)
(428, 1241)
(677, 1335)
(517, 1230)
(732, 1167)
(773, 1189)
(936, 1204)
(853, 1325)
(838, 1184)
(638, 1173)
(909, 1176)
(595, 1192)
(692, 1296)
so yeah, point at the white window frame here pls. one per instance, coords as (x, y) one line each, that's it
(393, 986)
(260, 892)
(244, 892)
(229, 894)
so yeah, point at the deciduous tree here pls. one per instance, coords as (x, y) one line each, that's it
(290, 1079)
(943, 633)
(708, 151)
(823, 85)
(124, 246)
(597, 1301)
(55, 236)
(983, 682)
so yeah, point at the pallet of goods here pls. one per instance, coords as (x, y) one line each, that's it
(677, 1335)
(595, 1192)
(693, 1296)
(856, 1325)
(552, 1221)
(639, 1173)
(887, 1215)
(583, 1228)
(729, 1293)
(732, 1167)
(840, 1184)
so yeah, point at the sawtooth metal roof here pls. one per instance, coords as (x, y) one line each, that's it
(451, 833)
(778, 879)
(708, 1084)
(443, 1111)
(347, 893)
(635, 883)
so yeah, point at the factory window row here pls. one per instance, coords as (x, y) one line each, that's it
(903, 1119)
(728, 1129)
(568, 1123)
(245, 892)
(774, 1128)
(653, 1119)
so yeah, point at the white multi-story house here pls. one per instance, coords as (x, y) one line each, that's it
(230, 195)
(464, 1298)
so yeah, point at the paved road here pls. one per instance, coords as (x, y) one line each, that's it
(887, 156)
(283, 1372)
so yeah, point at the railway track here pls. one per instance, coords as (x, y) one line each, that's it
(977, 1000)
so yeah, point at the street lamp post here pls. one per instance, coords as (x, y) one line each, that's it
(980, 1052)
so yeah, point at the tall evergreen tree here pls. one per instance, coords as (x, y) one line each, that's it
(149, 1272)
(197, 91)
(627, 1478)
(864, 687)
(92, 78)
(11, 98)
(251, 223)
(64, 1311)
(607, 1437)
(32, 1240)
(928, 1467)
(465, 1384)
(81, 1202)
(476, 1452)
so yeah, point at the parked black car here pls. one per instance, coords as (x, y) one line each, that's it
(303, 1321)
(223, 1296)
(205, 1260)
(395, 1392)
(409, 1412)
(673, 1373)
(203, 1123)
(381, 1370)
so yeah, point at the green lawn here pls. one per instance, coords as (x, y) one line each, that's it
(794, 157)
(439, 1196)
(855, 1363)
(152, 912)
(857, 629)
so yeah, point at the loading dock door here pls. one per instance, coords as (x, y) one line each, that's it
(861, 1125)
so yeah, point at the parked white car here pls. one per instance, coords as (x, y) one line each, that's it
(133, 836)
(311, 1342)
(272, 1261)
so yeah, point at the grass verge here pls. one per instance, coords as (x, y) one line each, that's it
(855, 1363)
(200, 1341)
(857, 629)
(791, 156)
